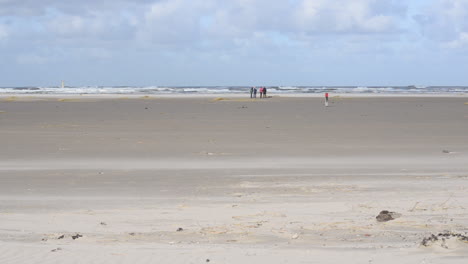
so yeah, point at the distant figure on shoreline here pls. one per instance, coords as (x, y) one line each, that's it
(264, 92)
(261, 92)
(251, 91)
(254, 92)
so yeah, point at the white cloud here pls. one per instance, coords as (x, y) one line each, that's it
(168, 21)
(460, 41)
(210, 32)
(445, 21)
(349, 16)
(90, 27)
(3, 32)
(175, 22)
(32, 59)
(40, 7)
(189, 22)
(66, 25)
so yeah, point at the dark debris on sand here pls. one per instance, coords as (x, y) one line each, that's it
(385, 216)
(427, 241)
(77, 236)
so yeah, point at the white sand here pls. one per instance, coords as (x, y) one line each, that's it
(282, 180)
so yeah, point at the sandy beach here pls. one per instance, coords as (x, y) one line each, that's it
(229, 179)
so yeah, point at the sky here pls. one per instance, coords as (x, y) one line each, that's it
(233, 42)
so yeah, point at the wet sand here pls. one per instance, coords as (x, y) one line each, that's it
(277, 180)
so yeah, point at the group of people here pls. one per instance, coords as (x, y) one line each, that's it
(261, 90)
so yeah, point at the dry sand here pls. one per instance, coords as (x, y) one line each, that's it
(232, 180)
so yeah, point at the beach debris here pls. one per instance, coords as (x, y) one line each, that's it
(214, 230)
(385, 216)
(77, 236)
(295, 236)
(207, 153)
(414, 207)
(207, 260)
(11, 99)
(446, 151)
(180, 229)
(61, 237)
(442, 239)
(146, 108)
(103, 223)
(56, 249)
(132, 233)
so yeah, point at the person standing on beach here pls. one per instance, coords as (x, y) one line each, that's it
(251, 92)
(264, 92)
(254, 92)
(261, 92)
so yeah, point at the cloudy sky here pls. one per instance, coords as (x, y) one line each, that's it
(233, 42)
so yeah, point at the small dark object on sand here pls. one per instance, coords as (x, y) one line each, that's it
(76, 236)
(207, 260)
(445, 151)
(132, 234)
(180, 229)
(385, 216)
(60, 237)
(103, 223)
(56, 249)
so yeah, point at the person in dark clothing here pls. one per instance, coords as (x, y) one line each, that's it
(264, 92)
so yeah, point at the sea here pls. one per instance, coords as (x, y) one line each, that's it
(165, 90)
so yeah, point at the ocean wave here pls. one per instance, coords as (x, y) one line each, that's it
(233, 89)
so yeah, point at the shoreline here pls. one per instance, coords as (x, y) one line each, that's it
(224, 96)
